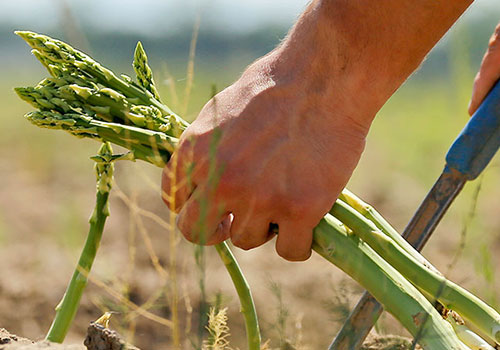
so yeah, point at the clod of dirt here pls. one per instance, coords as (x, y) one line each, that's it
(7, 338)
(101, 338)
(98, 338)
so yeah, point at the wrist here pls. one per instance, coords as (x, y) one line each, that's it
(358, 52)
(318, 57)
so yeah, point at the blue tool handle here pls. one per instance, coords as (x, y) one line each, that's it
(479, 140)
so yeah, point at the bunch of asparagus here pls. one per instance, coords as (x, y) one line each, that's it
(88, 100)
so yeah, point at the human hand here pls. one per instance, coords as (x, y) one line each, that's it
(279, 145)
(285, 153)
(489, 72)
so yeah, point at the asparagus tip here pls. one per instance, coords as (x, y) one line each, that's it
(25, 34)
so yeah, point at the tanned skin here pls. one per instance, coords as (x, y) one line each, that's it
(293, 126)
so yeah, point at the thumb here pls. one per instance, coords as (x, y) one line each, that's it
(488, 74)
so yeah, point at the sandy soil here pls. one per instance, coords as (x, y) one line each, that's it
(43, 212)
(12, 342)
(110, 340)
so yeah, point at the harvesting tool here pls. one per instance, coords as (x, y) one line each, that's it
(467, 157)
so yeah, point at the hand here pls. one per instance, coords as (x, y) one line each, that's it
(286, 154)
(279, 145)
(488, 74)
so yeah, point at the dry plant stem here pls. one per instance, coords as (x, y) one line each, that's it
(243, 289)
(429, 281)
(333, 241)
(67, 308)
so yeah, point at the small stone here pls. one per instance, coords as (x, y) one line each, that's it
(5, 340)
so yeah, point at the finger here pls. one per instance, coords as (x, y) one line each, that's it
(294, 241)
(202, 220)
(488, 74)
(249, 230)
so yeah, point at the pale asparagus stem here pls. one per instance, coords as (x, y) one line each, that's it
(468, 337)
(333, 241)
(371, 214)
(245, 295)
(67, 308)
(60, 112)
(138, 141)
(446, 292)
(143, 71)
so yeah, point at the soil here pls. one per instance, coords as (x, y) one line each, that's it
(43, 224)
(13, 342)
(100, 338)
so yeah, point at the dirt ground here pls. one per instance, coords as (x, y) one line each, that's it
(147, 273)
(302, 304)
(12, 342)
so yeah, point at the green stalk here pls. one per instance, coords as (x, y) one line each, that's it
(67, 308)
(333, 241)
(143, 71)
(150, 146)
(244, 294)
(55, 52)
(371, 214)
(431, 282)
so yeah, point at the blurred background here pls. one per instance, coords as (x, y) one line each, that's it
(47, 181)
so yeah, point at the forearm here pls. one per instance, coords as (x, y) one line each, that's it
(366, 48)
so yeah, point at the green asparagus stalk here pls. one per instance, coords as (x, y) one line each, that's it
(52, 52)
(150, 146)
(66, 310)
(379, 221)
(245, 295)
(468, 337)
(433, 283)
(334, 242)
(143, 71)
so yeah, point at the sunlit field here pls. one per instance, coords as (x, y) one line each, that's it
(144, 268)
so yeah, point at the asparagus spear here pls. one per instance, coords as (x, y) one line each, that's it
(451, 295)
(66, 310)
(55, 53)
(337, 244)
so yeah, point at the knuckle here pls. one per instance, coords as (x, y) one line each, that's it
(495, 39)
(292, 255)
(305, 208)
(296, 209)
(241, 242)
(191, 234)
